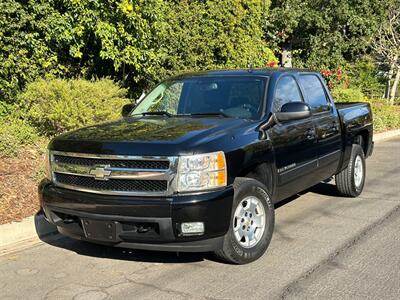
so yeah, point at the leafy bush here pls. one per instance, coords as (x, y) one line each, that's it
(8, 145)
(58, 105)
(5, 109)
(385, 116)
(341, 94)
(15, 133)
(365, 76)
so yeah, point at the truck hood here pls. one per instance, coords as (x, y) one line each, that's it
(152, 136)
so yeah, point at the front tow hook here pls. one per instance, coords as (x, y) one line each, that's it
(142, 230)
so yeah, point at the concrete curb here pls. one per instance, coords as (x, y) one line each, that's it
(37, 226)
(378, 137)
(28, 228)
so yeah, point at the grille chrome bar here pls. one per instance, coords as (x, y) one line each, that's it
(115, 173)
(119, 178)
(117, 163)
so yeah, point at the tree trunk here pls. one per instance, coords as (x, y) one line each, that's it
(387, 89)
(287, 56)
(394, 86)
(392, 69)
(389, 81)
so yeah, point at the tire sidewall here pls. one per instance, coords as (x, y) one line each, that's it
(246, 188)
(357, 151)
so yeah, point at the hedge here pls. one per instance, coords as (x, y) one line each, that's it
(56, 106)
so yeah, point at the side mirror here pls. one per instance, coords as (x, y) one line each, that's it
(293, 111)
(126, 109)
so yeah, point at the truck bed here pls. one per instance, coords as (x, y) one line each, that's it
(356, 119)
(354, 112)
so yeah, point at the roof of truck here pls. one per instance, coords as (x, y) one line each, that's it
(250, 71)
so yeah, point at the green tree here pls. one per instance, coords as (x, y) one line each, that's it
(31, 43)
(142, 42)
(117, 38)
(386, 45)
(134, 41)
(322, 33)
(215, 34)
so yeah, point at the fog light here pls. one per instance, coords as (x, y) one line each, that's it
(192, 228)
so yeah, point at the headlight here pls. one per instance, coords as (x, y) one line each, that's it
(47, 165)
(201, 172)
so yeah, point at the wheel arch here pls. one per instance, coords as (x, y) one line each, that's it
(363, 139)
(263, 172)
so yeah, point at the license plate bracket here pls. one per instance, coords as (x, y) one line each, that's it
(100, 230)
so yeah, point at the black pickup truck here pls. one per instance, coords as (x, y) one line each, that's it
(198, 164)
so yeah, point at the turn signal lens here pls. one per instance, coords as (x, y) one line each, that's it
(201, 172)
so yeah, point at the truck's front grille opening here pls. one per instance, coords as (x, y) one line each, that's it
(113, 174)
(121, 185)
(115, 163)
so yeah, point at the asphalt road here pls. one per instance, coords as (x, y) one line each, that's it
(323, 247)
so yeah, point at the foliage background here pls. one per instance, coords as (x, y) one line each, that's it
(69, 63)
(135, 42)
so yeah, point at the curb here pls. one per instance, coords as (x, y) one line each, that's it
(379, 137)
(29, 228)
(37, 227)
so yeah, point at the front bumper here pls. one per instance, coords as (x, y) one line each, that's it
(141, 222)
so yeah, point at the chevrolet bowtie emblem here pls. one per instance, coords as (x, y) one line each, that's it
(100, 173)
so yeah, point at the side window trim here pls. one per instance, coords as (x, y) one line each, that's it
(297, 84)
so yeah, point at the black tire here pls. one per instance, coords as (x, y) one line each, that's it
(232, 251)
(346, 179)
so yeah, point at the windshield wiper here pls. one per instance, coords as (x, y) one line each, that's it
(156, 113)
(211, 113)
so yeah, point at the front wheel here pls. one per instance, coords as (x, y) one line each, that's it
(350, 181)
(252, 223)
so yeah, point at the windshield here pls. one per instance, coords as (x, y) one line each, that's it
(238, 97)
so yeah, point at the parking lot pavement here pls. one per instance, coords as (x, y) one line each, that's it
(324, 246)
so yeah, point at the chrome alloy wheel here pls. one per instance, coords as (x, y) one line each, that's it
(358, 171)
(249, 222)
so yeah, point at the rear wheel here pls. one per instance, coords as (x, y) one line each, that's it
(252, 223)
(350, 181)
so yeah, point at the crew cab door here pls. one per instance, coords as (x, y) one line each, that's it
(326, 122)
(294, 143)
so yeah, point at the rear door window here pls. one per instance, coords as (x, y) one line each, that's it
(314, 93)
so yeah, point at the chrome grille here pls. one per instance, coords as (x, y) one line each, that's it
(113, 174)
(116, 163)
